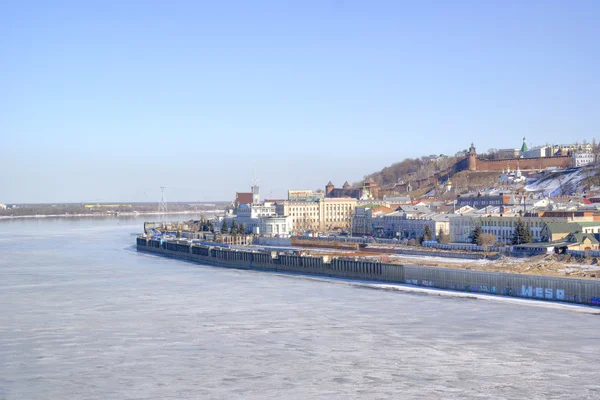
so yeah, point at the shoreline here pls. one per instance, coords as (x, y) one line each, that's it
(404, 288)
(470, 282)
(430, 291)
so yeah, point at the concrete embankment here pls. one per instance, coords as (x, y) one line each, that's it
(577, 291)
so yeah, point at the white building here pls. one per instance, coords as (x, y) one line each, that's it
(511, 177)
(502, 226)
(537, 152)
(411, 223)
(581, 158)
(275, 226)
(461, 228)
(2, 206)
(252, 216)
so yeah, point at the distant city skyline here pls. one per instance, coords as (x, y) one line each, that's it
(106, 102)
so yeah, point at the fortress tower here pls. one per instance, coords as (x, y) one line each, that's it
(472, 158)
(328, 188)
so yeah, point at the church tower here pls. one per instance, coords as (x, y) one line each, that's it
(255, 192)
(524, 147)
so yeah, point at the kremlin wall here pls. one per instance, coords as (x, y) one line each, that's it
(472, 163)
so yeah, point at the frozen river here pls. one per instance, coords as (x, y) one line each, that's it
(83, 316)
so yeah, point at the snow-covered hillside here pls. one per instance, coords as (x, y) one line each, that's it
(560, 183)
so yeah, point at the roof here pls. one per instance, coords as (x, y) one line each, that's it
(405, 199)
(563, 227)
(580, 237)
(395, 214)
(329, 184)
(524, 146)
(543, 244)
(414, 209)
(382, 209)
(338, 193)
(243, 198)
(588, 223)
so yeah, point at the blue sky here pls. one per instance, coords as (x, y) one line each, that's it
(108, 101)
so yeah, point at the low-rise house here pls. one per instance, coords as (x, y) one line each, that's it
(554, 231)
(582, 241)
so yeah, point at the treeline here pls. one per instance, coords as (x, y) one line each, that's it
(413, 169)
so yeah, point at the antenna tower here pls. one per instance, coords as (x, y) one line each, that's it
(162, 206)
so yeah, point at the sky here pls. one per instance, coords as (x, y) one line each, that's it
(104, 101)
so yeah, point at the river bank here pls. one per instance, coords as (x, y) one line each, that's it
(541, 287)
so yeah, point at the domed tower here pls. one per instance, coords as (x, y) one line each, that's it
(472, 158)
(328, 189)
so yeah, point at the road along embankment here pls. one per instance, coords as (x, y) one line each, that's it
(578, 291)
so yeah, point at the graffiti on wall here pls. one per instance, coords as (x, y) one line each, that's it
(481, 288)
(420, 283)
(526, 291)
(542, 293)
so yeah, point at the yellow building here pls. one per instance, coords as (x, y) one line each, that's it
(337, 213)
(321, 215)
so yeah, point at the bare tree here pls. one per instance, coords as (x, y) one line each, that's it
(493, 154)
(595, 150)
(486, 240)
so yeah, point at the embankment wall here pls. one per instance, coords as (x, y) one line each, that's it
(577, 291)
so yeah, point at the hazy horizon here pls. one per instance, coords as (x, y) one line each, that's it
(106, 102)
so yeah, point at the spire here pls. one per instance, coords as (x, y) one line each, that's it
(524, 147)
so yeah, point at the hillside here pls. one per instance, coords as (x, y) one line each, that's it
(414, 170)
(566, 182)
(426, 173)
